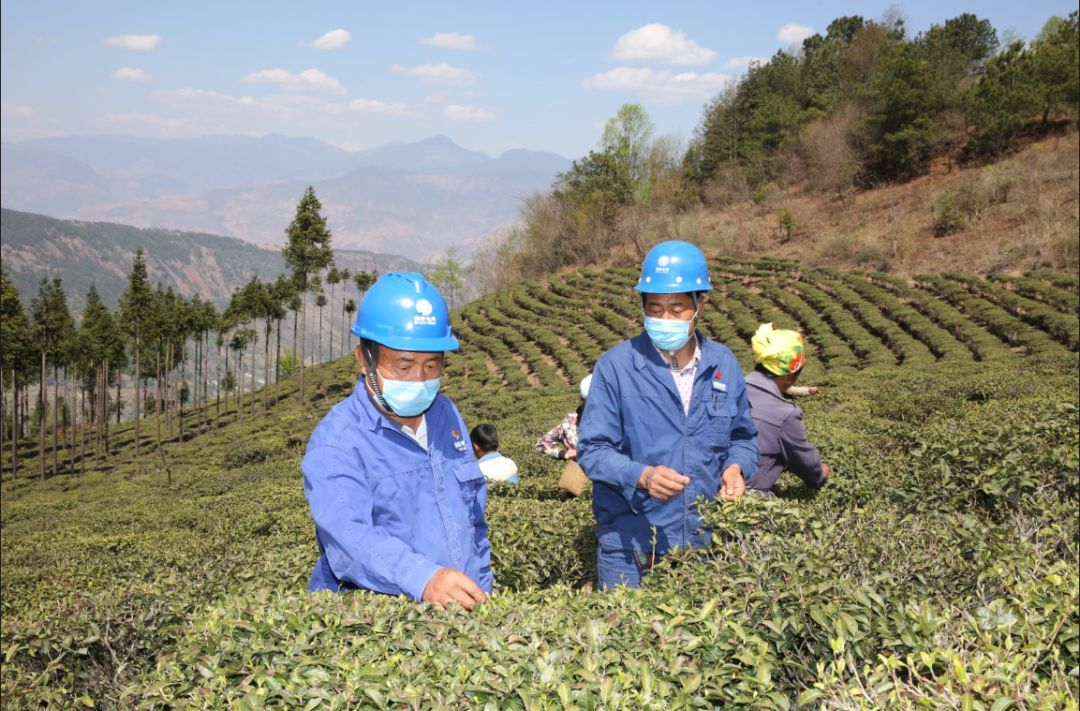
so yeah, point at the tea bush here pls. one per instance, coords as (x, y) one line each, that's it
(937, 568)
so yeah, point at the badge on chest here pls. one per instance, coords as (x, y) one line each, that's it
(459, 443)
(718, 385)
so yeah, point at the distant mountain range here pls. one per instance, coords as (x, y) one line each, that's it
(33, 247)
(412, 199)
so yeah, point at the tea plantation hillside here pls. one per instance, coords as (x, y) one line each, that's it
(938, 569)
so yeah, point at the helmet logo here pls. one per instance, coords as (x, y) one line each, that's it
(423, 313)
(663, 261)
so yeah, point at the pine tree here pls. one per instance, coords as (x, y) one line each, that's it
(307, 253)
(52, 323)
(136, 311)
(102, 341)
(16, 352)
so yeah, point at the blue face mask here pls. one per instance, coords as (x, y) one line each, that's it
(668, 335)
(409, 398)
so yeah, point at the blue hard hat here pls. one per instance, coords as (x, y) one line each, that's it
(674, 268)
(403, 311)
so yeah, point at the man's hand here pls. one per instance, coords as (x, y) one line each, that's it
(449, 585)
(825, 471)
(732, 485)
(662, 482)
(813, 390)
(570, 454)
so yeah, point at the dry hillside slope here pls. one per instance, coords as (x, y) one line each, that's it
(1017, 214)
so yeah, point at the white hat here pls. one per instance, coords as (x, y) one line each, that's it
(583, 388)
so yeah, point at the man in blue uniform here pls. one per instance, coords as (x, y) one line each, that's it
(667, 421)
(394, 488)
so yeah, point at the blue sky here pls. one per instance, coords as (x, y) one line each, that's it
(492, 76)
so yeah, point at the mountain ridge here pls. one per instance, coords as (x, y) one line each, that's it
(100, 253)
(415, 199)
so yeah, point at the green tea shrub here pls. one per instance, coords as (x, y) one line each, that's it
(246, 455)
(936, 569)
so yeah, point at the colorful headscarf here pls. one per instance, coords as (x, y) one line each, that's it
(778, 351)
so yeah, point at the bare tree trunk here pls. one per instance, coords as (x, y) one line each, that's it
(217, 393)
(14, 425)
(3, 421)
(253, 385)
(82, 434)
(99, 393)
(55, 414)
(303, 337)
(180, 391)
(266, 367)
(166, 394)
(42, 414)
(319, 357)
(277, 364)
(105, 403)
(138, 374)
(74, 423)
(206, 377)
(157, 418)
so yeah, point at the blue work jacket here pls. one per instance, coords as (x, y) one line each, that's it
(634, 418)
(387, 513)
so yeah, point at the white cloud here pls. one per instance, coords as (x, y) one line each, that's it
(451, 40)
(794, 33)
(659, 43)
(334, 39)
(442, 73)
(131, 74)
(307, 80)
(743, 62)
(19, 110)
(142, 43)
(375, 106)
(457, 112)
(215, 103)
(661, 87)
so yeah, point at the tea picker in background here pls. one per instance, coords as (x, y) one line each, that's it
(494, 466)
(561, 440)
(393, 485)
(667, 421)
(561, 443)
(782, 442)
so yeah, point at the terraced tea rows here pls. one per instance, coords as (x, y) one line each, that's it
(549, 334)
(937, 569)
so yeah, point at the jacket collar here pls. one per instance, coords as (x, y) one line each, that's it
(757, 379)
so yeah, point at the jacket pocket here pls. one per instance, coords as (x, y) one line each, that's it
(470, 482)
(718, 418)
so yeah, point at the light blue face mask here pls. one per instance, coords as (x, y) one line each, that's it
(669, 335)
(409, 398)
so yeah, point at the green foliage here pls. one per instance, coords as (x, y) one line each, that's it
(938, 567)
(287, 364)
(308, 250)
(865, 104)
(626, 137)
(787, 223)
(949, 213)
(16, 347)
(446, 276)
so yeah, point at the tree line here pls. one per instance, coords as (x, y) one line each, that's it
(861, 105)
(166, 345)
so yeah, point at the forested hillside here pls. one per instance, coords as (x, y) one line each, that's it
(100, 253)
(864, 146)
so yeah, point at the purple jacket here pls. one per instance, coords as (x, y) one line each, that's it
(782, 442)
